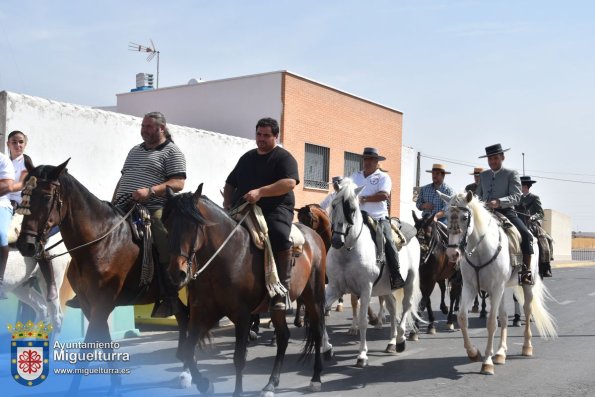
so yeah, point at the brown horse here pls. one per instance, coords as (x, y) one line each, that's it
(104, 273)
(435, 268)
(225, 276)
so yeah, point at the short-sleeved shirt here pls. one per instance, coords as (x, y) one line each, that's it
(428, 194)
(6, 172)
(378, 181)
(255, 170)
(144, 168)
(19, 166)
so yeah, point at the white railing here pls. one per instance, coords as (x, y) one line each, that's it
(583, 254)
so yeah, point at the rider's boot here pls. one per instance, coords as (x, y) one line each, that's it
(525, 276)
(168, 292)
(283, 259)
(392, 261)
(47, 270)
(3, 261)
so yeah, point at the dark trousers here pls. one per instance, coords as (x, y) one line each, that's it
(390, 249)
(527, 237)
(279, 223)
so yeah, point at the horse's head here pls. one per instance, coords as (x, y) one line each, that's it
(186, 233)
(307, 217)
(344, 211)
(460, 225)
(424, 227)
(41, 206)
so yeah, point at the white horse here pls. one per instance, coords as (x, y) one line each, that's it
(20, 270)
(482, 247)
(352, 268)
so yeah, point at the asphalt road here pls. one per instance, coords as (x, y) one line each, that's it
(436, 365)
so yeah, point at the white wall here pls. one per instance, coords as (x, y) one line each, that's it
(559, 226)
(229, 106)
(98, 142)
(408, 167)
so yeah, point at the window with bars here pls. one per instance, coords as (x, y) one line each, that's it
(316, 166)
(353, 162)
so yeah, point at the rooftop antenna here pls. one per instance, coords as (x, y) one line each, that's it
(151, 50)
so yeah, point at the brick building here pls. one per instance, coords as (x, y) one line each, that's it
(325, 128)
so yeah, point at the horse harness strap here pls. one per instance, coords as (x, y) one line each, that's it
(477, 268)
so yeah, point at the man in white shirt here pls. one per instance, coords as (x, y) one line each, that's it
(6, 181)
(374, 200)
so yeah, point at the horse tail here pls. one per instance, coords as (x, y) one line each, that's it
(416, 295)
(544, 321)
(315, 329)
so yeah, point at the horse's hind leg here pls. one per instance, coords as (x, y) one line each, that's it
(354, 329)
(239, 356)
(442, 285)
(282, 334)
(528, 295)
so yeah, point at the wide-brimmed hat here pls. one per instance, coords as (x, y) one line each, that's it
(438, 167)
(494, 149)
(372, 152)
(526, 180)
(476, 171)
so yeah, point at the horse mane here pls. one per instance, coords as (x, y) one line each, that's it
(478, 210)
(345, 194)
(184, 202)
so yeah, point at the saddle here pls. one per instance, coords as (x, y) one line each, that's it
(514, 239)
(140, 226)
(402, 234)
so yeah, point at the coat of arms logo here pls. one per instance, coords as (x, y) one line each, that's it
(29, 348)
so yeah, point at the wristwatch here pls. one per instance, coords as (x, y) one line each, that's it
(152, 192)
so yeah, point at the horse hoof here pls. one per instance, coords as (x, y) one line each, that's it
(443, 309)
(474, 358)
(253, 335)
(475, 309)
(516, 323)
(483, 314)
(499, 359)
(401, 347)
(328, 355)
(390, 348)
(352, 331)
(450, 326)
(205, 386)
(487, 369)
(273, 342)
(431, 330)
(185, 380)
(527, 351)
(298, 324)
(413, 337)
(361, 362)
(339, 307)
(315, 386)
(267, 393)
(373, 320)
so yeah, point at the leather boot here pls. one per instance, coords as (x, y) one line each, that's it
(168, 292)
(3, 261)
(392, 258)
(283, 259)
(47, 270)
(525, 276)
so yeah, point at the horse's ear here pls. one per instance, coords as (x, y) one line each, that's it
(197, 194)
(359, 190)
(469, 196)
(29, 164)
(59, 170)
(445, 197)
(169, 192)
(297, 209)
(415, 218)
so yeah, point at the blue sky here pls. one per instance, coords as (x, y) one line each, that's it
(466, 74)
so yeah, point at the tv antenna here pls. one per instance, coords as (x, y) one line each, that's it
(151, 50)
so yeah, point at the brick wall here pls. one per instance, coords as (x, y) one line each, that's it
(319, 115)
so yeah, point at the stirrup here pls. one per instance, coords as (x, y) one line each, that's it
(526, 278)
(74, 302)
(397, 283)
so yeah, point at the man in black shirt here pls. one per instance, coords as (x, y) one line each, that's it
(267, 176)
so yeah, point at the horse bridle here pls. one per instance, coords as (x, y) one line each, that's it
(463, 244)
(346, 233)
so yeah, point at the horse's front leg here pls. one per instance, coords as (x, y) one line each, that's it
(442, 285)
(391, 307)
(362, 358)
(496, 299)
(353, 330)
(242, 330)
(500, 356)
(469, 292)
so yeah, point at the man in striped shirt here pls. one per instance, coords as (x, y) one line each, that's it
(149, 168)
(428, 201)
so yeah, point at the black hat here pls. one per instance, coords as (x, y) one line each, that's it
(372, 152)
(494, 149)
(526, 180)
